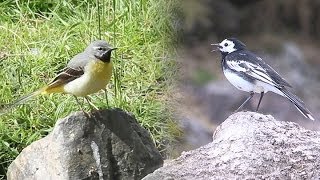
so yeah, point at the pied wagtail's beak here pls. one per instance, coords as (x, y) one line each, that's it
(217, 46)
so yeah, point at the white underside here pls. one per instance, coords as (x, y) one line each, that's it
(96, 76)
(245, 85)
(85, 85)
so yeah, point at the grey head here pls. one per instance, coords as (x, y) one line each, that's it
(100, 49)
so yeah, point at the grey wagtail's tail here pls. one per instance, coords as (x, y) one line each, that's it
(26, 97)
(86, 73)
(5, 107)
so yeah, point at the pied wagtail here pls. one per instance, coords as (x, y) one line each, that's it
(248, 72)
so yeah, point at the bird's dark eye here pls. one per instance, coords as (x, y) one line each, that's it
(101, 48)
(225, 44)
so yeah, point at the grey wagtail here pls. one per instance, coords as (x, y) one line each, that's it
(86, 73)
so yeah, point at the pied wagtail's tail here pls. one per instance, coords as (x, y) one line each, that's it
(248, 72)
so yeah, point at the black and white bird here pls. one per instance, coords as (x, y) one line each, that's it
(248, 72)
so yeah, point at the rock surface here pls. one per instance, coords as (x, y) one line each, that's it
(250, 146)
(109, 144)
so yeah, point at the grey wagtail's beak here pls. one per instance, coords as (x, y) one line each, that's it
(217, 46)
(113, 49)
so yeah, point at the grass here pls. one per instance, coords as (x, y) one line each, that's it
(37, 39)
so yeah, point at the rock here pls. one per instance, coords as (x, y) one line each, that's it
(108, 145)
(250, 146)
(195, 133)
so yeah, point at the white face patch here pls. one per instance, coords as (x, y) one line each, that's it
(227, 46)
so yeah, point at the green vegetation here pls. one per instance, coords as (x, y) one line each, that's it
(202, 77)
(38, 38)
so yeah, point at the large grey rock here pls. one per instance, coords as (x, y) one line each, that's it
(250, 146)
(108, 145)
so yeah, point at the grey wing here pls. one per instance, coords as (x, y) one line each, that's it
(74, 70)
(79, 61)
(255, 67)
(66, 75)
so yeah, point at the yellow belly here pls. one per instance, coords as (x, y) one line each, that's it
(96, 77)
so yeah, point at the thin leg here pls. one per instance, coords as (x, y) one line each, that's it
(79, 104)
(245, 102)
(261, 96)
(90, 103)
(106, 95)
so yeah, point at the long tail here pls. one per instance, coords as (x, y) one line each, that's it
(6, 107)
(298, 103)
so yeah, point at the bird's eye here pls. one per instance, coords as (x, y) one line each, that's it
(101, 49)
(226, 44)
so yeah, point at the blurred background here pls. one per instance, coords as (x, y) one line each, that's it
(285, 33)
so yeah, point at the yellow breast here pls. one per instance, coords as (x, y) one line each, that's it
(96, 76)
(100, 71)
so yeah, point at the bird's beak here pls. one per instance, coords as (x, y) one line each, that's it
(108, 52)
(113, 49)
(217, 47)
